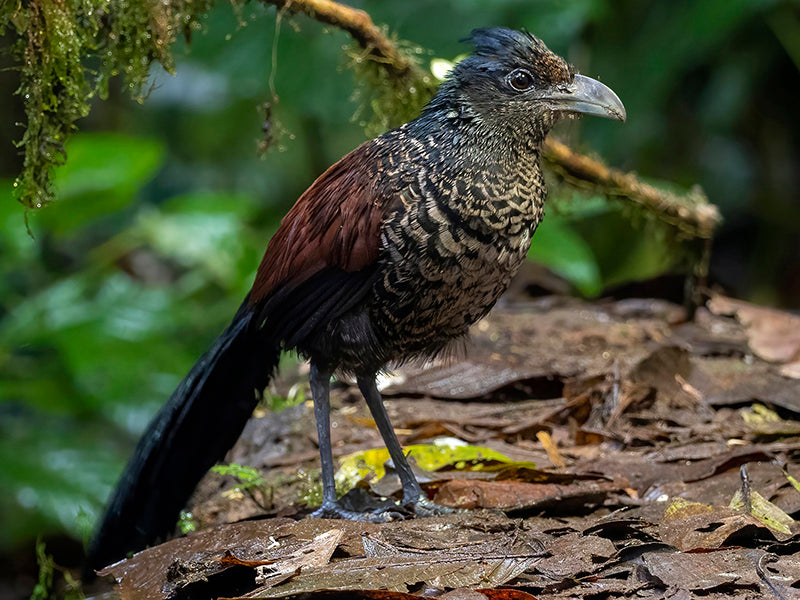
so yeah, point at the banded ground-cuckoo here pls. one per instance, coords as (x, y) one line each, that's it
(390, 255)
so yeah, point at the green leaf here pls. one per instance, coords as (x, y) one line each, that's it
(186, 522)
(101, 176)
(209, 202)
(215, 242)
(54, 471)
(559, 247)
(429, 457)
(248, 476)
(627, 245)
(60, 332)
(16, 244)
(765, 511)
(101, 162)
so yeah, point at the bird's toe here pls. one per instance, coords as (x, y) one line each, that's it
(426, 508)
(381, 515)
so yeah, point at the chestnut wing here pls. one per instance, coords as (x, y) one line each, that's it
(334, 224)
(323, 260)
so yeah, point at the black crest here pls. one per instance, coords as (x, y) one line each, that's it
(500, 47)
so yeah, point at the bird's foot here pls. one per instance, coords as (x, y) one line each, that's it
(357, 505)
(426, 508)
(384, 514)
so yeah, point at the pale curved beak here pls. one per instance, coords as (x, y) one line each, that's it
(587, 96)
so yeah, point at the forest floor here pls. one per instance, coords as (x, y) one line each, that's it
(609, 449)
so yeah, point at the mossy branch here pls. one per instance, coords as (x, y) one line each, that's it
(390, 83)
(360, 27)
(691, 213)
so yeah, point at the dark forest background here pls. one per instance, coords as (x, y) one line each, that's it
(163, 208)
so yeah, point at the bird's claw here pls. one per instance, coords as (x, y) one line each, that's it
(379, 515)
(426, 508)
(421, 507)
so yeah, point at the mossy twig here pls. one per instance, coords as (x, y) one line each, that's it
(691, 213)
(360, 27)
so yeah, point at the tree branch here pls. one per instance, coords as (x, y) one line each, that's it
(692, 213)
(360, 27)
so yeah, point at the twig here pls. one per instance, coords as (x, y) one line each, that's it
(692, 214)
(745, 489)
(358, 24)
(762, 573)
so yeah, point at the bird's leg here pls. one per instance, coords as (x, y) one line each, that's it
(320, 391)
(413, 496)
(320, 381)
(411, 490)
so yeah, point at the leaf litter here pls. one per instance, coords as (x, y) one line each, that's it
(610, 449)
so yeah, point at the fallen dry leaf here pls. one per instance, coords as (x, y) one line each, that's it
(440, 571)
(574, 555)
(791, 370)
(767, 513)
(485, 594)
(733, 569)
(773, 335)
(352, 595)
(695, 526)
(314, 554)
(523, 496)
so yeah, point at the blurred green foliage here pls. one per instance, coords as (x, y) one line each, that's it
(51, 577)
(96, 328)
(158, 227)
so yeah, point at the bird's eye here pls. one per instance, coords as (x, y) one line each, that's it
(520, 80)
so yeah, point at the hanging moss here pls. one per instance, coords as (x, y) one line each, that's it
(68, 50)
(385, 98)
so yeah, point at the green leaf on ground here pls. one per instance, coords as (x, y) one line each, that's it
(559, 247)
(429, 457)
(766, 512)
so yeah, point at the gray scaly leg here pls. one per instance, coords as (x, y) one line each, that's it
(413, 496)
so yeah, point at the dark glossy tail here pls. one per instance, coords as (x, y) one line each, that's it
(201, 421)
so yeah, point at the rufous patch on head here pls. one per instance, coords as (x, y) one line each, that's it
(551, 67)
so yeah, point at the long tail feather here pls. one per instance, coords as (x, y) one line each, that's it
(201, 421)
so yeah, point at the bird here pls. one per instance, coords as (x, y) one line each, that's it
(388, 257)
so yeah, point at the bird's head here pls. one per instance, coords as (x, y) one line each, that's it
(515, 82)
